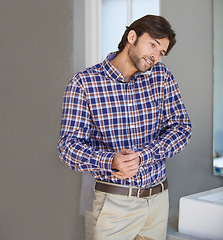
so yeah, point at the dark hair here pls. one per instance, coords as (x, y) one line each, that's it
(156, 26)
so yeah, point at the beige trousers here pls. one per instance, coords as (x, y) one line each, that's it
(118, 217)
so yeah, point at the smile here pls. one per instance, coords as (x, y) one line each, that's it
(148, 61)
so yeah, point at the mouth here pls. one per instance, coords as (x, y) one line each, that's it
(149, 62)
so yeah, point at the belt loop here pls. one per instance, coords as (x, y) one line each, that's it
(150, 192)
(130, 192)
(162, 187)
(138, 193)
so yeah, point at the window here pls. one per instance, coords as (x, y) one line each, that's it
(106, 21)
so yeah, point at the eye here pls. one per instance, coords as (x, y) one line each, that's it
(161, 54)
(152, 45)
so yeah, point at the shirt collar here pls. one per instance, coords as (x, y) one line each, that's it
(114, 74)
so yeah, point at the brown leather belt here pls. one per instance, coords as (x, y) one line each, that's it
(137, 192)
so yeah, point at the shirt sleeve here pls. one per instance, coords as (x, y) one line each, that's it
(74, 146)
(175, 127)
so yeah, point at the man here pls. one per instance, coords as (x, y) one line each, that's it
(121, 120)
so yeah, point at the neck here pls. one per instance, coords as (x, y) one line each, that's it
(123, 63)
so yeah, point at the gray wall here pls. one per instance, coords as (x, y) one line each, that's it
(191, 62)
(39, 195)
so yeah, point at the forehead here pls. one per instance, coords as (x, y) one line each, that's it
(163, 43)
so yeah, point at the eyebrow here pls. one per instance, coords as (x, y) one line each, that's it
(157, 41)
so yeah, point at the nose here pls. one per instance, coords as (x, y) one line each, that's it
(155, 55)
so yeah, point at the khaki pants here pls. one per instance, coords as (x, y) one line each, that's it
(119, 217)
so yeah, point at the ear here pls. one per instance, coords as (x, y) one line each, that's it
(132, 36)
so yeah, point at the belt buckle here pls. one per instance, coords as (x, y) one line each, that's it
(150, 192)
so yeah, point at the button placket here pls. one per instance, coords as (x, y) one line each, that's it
(131, 118)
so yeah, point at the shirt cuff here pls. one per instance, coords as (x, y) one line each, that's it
(105, 161)
(146, 156)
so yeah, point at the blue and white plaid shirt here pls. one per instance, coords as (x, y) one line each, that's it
(102, 114)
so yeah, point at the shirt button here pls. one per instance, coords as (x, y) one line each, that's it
(132, 126)
(141, 168)
(134, 148)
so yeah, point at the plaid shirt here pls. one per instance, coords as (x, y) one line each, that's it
(102, 114)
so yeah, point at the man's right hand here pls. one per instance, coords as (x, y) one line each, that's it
(127, 162)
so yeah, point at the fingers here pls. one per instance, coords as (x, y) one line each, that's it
(134, 163)
(127, 162)
(119, 175)
(127, 172)
(126, 151)
(124, 162)
(128, 155)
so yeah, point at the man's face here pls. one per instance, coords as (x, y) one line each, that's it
(146, 51)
